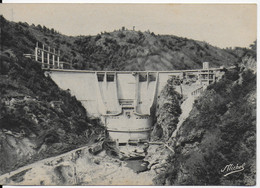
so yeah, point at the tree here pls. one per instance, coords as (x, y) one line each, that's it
(39, 27)
(254, 45)
(44, 29)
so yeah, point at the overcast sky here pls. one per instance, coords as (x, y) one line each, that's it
(220, 25)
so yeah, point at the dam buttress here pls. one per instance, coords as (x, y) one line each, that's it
(126, 100)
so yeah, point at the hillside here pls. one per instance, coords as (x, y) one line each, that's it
(37, 119)
(22, 38)
(220, 131)
(135, 50)
(119, 50)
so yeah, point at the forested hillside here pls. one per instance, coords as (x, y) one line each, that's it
(119, 50)
(37, 118)
(220, 131)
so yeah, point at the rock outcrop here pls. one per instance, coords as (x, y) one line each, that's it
(78, 167)
(167, 112)
(37, 119)
(220, 131)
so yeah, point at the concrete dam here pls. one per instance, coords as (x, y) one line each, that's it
(126, 100)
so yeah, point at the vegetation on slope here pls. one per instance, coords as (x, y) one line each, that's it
(22, 38)
(37, 119)
(119, 50)
(136, 50)
(220, 130)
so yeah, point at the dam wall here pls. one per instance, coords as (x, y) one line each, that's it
(126, 100)
(103, 97)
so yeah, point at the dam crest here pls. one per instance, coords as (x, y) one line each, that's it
(126, 100)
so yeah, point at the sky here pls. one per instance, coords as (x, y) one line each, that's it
(222, 25)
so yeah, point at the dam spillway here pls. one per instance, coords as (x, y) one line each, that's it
(126, 100)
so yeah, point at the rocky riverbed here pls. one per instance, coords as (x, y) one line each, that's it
(80, 167)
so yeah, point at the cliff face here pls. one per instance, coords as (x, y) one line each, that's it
(167, 112)
(220, 131)
(37, 119)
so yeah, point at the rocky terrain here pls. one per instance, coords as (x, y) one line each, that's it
(37, 119)
(220, 130)
(168, 111)
(214, 130)
(197, 137)
(78, 167)
(82, 167)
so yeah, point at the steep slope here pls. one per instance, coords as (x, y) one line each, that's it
(118, 50)
(37, 119)
(215, 144)
(221, 130)
(168, 111)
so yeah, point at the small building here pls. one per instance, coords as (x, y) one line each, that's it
(205, 65)
(206, 76)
